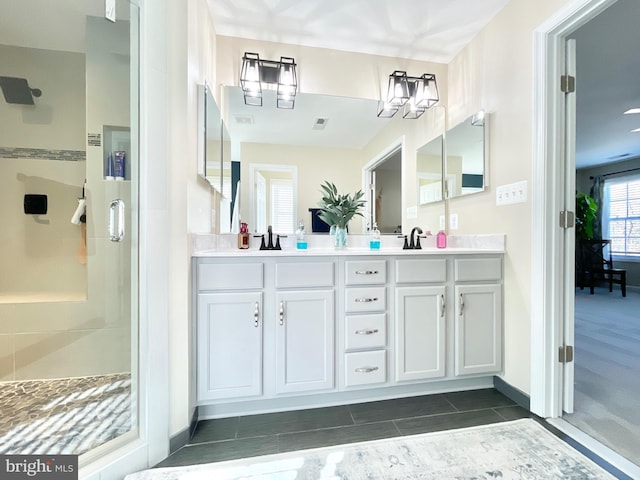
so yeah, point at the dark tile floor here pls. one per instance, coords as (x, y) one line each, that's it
(239, 437)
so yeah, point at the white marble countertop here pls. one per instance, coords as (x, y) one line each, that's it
(225, 245)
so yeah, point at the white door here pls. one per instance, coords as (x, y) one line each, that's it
(304, 340)
(569, 233)
(420, 333)
(478, 329)
(229, 336)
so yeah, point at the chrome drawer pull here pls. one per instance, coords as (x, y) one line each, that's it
(365, 300)
(366, 369)
(366, 332)
(367, 272)
(281, 313)
(256, 315)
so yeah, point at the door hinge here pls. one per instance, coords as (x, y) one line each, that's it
(567, 219)
(565, 354)
(567, 84)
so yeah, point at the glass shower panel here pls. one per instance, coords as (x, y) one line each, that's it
(68, 256)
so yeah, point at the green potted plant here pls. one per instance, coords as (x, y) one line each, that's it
(336, 210)
(586, 208)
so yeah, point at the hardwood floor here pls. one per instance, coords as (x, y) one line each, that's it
(607, 369)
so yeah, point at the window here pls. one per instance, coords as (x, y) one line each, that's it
(621, 216)
(282, 205)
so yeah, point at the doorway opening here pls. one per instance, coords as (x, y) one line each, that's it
(383, 182)
(554, 173)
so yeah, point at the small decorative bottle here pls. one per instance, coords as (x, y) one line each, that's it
(243, 236)
(374, 238)
(441, 239)
(301, 237)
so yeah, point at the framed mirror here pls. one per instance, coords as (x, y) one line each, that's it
(210, 130)
(465, 150)
(429, 171)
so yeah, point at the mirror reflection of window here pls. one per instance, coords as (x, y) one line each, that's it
(274, 198)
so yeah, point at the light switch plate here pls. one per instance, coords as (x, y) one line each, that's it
(453, 221)
(511, 193)
(412, 212)
(442, 223)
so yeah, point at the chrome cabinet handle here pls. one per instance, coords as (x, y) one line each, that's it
(461, 304)
(366, 369)
(365, 300)
(442, 305)
(366, 332)
(116, 220)
(281, 313)
(256, 315)
(367, 272)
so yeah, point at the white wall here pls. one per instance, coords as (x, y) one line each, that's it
(192, 204)
(495, 72)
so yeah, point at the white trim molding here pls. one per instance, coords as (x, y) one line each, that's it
(548, 289)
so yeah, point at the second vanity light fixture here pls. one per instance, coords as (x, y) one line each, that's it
(258, 73)
(414, 94)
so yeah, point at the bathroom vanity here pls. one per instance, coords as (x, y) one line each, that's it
(279, 330)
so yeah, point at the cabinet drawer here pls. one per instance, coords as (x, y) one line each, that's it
(421, 271)
(367, 272)
(228, 276)
(365, 368)
(365, 299)
(304, 274)
(470, 269)
(365, 331)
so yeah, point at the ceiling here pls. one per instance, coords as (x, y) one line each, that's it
(435, 30)
(608, 69)
(429, 30)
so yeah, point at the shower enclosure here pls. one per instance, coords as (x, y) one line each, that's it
(68, 242)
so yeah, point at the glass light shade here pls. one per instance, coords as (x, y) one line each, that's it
(398, 90)
(411, 111)
(250, 79)
(287, 83)
(426, 91)
(385, 110)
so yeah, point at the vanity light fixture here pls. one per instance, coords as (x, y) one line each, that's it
(279, 75)
(414, 94)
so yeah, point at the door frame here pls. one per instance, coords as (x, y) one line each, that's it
(548, 195)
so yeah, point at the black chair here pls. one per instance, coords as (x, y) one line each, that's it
(597, 265)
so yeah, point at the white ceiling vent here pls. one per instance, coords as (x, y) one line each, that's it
(243, 119)
(320, 123)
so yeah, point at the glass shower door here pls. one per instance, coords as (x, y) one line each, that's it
(68, 247)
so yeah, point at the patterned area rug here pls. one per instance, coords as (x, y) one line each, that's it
(521, 449)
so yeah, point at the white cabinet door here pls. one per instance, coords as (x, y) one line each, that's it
(304, 340)
(478, 329)
(229, 340)
(420, 333)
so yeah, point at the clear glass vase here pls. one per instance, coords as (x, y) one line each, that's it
(340, 237)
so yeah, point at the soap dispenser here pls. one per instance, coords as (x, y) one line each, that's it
(374, 238)
(301, 237)
(441, 239)
(243, 236)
